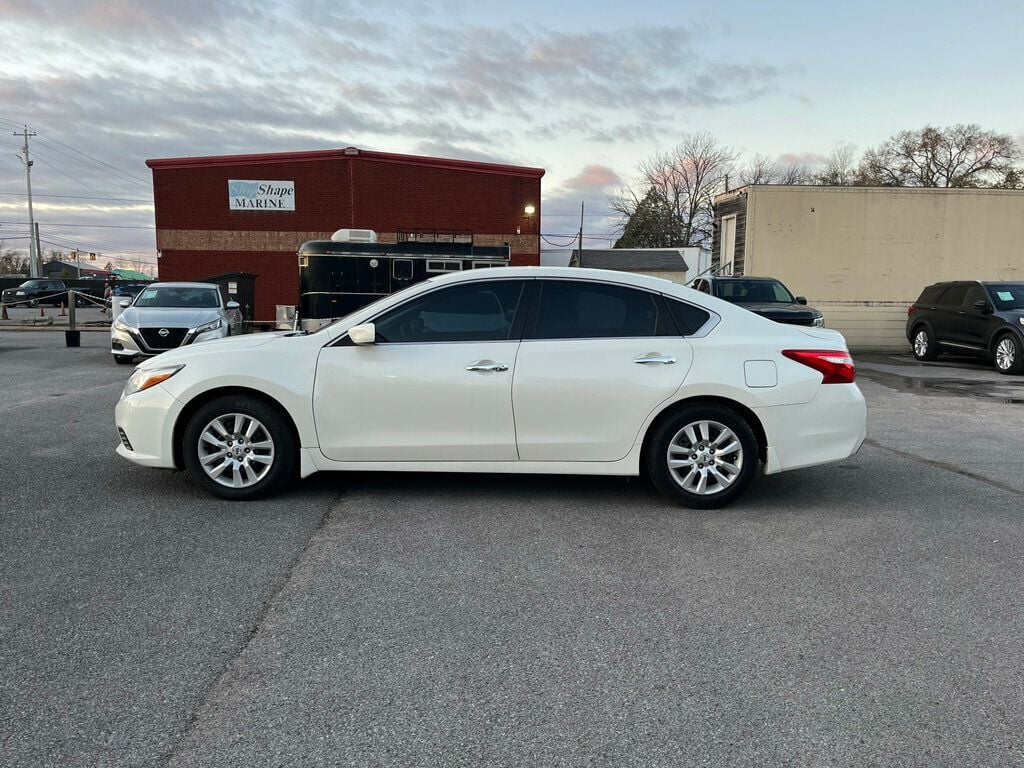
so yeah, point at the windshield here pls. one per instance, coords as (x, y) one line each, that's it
(1007, 296)
(183, 297)
(761, 291)
(33, 284)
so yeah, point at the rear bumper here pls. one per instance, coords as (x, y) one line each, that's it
(831, 427)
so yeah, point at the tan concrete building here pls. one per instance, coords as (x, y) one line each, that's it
(862, 254)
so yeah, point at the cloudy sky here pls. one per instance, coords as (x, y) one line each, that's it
(583, 89)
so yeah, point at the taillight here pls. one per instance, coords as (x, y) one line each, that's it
(834, 367)
(911, 310)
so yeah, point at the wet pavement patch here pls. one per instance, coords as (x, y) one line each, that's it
(1010, 391)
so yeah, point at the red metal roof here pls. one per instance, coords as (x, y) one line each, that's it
(338, 154)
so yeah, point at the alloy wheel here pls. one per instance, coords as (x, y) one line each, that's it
(236, 450)
(705, 457)
(1006, 354)
(921, 343)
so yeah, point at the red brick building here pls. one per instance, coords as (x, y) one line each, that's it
(250, 213)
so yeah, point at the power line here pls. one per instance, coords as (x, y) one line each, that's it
(84, 197)
(49, 141)
(93, 226)
(47, 163)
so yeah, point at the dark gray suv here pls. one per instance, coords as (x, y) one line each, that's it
(970, 317)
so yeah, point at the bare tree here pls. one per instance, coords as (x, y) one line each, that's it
(840, 167)
(683, 182)
(764, 170)
(12, 261)
(760, 170)
(958, 156)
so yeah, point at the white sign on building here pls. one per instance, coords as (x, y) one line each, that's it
(250, 195)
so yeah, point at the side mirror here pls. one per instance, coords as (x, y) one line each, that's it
(363, 334)
(232, 305)
(801, 300)
(125, 303)
(981, 305)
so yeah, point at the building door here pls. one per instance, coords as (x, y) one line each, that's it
(728, 248)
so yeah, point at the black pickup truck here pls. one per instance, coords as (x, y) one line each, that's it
(38, 291)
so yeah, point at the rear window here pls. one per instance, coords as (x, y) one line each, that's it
(930, 295)
(953, 296)
(689, 319)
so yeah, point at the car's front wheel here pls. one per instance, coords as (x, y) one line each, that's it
(703, 456)
(1009, 357)
(924, 347)
(124, 359)
(240, 448)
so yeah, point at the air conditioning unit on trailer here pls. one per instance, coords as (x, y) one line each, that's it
(354, 236)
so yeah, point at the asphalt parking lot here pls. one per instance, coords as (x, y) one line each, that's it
(865, 613)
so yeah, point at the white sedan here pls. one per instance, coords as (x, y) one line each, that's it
(523, 369)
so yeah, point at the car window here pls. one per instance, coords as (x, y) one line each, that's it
(953, 296)
(974, 293)
(473, 312)
(761, 291)
(688, 318)
(572, 309)
(931, 294)
(179, 297)
(1007, 296)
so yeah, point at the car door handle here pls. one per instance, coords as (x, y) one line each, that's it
(486, 365)
(648, 359)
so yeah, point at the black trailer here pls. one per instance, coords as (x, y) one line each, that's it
(336, 278)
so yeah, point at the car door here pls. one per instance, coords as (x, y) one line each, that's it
(436, 385)
(946, 317)
(596, 359)
(974, 324)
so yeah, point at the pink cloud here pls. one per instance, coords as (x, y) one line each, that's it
(595, 176)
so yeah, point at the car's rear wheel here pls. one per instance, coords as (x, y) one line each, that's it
(240, 448)
(1009, 356)
(924, 347)
(703, 456)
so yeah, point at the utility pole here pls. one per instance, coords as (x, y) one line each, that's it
(34, 260)
(582, 203)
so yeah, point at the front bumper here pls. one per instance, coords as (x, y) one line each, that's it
(146, 420)
(831, 427)
(131, 343)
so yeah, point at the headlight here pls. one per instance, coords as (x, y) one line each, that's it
(819, 322)
(207, 327)
(145, 378)
(19, 293)
(121, 325)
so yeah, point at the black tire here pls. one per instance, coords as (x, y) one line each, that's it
(1008, 344)
(124, 359)
(283, 467)
(33, 303)
(930, 349)
(671, 429)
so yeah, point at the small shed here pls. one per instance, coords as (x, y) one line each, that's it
(666, 263)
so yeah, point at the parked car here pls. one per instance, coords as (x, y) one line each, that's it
(38, 291)
(764, 296)
(164, 316)
(607, 373)
(970, 317)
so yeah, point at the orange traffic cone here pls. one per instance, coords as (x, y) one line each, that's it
(63, 313)
(42, 312)
(4, 315)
